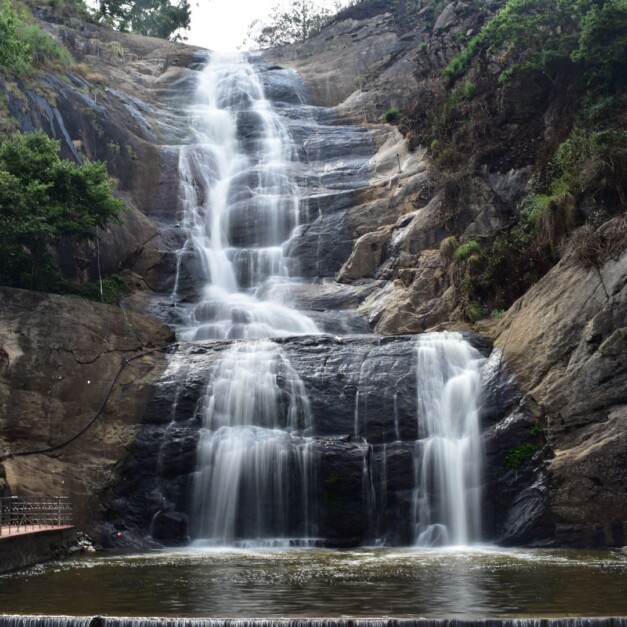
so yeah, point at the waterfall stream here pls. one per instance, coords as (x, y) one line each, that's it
(244, 199)
(240, 207)
(447, 497)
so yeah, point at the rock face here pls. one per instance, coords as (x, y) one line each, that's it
(565, 340)
(362, 393)
(58, 357)
(372, 224)
(113, 106)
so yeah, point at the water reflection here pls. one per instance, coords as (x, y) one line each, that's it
(296, 583)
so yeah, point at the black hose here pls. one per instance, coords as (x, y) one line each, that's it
(95, 417)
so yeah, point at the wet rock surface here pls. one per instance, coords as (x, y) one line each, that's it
(362, 393)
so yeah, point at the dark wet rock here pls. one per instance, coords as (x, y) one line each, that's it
(170, 528)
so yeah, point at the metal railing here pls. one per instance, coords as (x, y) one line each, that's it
(23, 513)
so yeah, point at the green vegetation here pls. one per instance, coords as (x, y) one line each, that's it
(114, 287)
(14, 52)
(392, 115)
(519, 455)
(465, 251)
(44, 201)
(289, 22)
(554, 37)
(155, 18)
(24, 46)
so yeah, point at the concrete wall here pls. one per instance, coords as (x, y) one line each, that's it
(24, 550)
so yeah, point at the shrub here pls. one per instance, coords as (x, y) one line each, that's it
(474, 311)
(519, 455)
(467, 250)
(44, 50)
(553, 37)
(468, 90)
(114, 287)
(392, 115)
(14, 53)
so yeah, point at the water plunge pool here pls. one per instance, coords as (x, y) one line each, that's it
(401, 583)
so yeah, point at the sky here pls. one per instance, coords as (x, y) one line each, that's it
(222, 24)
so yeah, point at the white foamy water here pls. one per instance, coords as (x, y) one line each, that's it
(448, 461)
(240, 206)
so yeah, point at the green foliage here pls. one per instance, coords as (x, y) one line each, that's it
(536, 429)
(474, 311)
(14, 53)
(467, 250)
(154, 18)
(392, 115)
(519, 455)
(114, 287)
(555, 37)
(468, 90)
(461, 62)
(44, 200)
(24, 45)
(44, 50)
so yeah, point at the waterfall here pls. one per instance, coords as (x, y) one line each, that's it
(254, 465)
(240, 207)
(447, 496)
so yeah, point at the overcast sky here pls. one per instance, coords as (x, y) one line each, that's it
(223, 24)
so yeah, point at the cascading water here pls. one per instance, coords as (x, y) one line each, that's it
(260, 475)
(240, 207)
(254, 470)
(447, 496)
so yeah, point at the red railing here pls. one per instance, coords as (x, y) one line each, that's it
(23, 513)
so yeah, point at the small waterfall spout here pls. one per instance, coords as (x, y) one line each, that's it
(447, 498)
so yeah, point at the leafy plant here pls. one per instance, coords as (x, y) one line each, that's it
(44, 200)
(111, 291)
(14, 52)
(465, 251)
(289, 23)
(554, 37)
(44, 50)
(155, 18)
(519, 455)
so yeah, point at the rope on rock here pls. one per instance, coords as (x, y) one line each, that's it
(103, 403)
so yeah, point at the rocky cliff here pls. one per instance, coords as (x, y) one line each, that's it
(380, 209)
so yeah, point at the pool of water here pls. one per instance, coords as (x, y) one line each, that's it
(453, 583)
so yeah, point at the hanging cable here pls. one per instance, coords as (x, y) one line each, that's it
(103, 403)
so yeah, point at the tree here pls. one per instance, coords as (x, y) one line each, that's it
(289, 23)
(44, 200)
(155, 18)
(586, 38)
